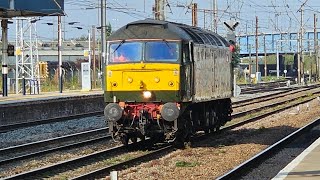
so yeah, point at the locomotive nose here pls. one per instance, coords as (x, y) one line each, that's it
(170, 111)
(113, 112)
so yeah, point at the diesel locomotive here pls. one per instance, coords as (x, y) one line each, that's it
(166, 81)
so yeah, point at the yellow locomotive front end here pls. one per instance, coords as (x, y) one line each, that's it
(142, 85)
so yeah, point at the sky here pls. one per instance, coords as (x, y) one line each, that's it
(273, 15)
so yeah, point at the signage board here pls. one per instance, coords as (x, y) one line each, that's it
(85, 76)
(237, 91)
(48, 7)
(25, 8)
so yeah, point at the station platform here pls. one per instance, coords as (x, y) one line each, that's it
(305, 166)
(15, 98)
(29, 108)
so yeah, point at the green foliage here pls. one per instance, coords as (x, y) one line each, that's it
(186, 164)
(82, 38)
(108, 30)
(73, 84)
(272, 78)
(48, 85)
(261, 128)
(51, 84)
(1, 78)
(241, 79)
(236, 56)
(86, 37)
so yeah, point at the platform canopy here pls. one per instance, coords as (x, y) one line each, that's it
(25, 8)
(4, 4)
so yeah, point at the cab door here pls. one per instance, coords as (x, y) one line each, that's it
(187, 71)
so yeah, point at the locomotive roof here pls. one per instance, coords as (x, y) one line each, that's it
(155, 29)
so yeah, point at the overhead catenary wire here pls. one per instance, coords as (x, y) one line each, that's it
(178, 11)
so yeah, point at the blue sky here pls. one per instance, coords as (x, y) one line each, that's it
(274, 15)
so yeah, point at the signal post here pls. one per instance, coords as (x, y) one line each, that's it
(4, 25)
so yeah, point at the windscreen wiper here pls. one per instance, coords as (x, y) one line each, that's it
(167, 43)
(120, 44)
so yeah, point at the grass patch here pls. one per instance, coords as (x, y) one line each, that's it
(262, 128)
(186, 164)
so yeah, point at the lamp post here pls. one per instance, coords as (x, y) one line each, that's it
(60, 55)
(89, 39)
(103, 37)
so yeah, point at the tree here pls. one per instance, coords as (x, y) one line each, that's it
(108, 30)
(82, 38)
(236, 56)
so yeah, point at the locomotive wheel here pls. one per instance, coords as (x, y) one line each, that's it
(179, 142)
(207, 124)
(134, 139)
(142, 138)
(207, 131)
(217, 128)
(124, 139)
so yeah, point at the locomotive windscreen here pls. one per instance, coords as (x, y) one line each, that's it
(126, 52)
(147, 51)
(162, 51)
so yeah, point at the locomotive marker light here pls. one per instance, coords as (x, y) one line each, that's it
(130, 80)
(157, 79)
(170, 111)
(113, 112)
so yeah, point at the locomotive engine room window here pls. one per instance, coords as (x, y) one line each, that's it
(125, 52)
(162, 51)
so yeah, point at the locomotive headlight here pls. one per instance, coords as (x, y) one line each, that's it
(109, 73)
(147, 94)
(175, 72)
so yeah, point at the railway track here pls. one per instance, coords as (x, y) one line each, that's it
(10, 127)
(243, 113)
(268, 153)
(263, 87)
(269, 97)
(103, 137)
(120, 150)
(264, 84)
(106, 171)
(57, 144)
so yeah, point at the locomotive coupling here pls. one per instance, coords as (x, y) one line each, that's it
(170, 111)
(113, 112)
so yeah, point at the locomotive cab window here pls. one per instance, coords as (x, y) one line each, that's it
(121, 52)
(162, 51)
